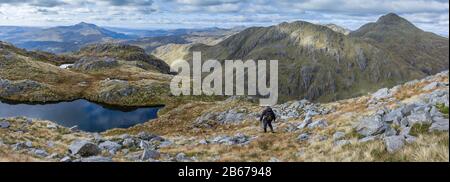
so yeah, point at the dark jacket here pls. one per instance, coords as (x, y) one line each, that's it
(267, 113)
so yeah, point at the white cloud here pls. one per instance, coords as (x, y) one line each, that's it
(431, 15)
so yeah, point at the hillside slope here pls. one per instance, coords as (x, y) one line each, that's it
(317, 62)
(425, 51)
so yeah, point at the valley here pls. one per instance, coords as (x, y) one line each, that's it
(379, 93)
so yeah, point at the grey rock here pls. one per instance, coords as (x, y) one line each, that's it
(318, 124)
(125, 136)
(439, 124)
(431, 86)
(290, 128)
(144, 145)
(341, 142)
(149, 154)
(4, 124)
(157, 139)
(29, 144)
(381, 94)
(95, 63)
(125, 151)
(98, 138)
(181, 157)
(435, 113)
(65, 159)
(203, 142)
(165, 143)
(389, 131)
(372, 125)
(10, 88)
(52, 126)
(393, 143)
(303, 137)
(407, 109)
(84, 148)
(20, 146)
(145, 136)
(128, 143)
(50, 144)
(97, 159)
(52, 156)
(404, 122)
(410, 139)
(405, 131)
(394, 116)
(367, 139)
(74, 129)
(420, 117)
(40, 153)
(274, 159)
(338, 135)
(305, 123)
(111, 147)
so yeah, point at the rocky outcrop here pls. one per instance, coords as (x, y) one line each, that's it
(9, 88)
(95, 64)
(84, 148)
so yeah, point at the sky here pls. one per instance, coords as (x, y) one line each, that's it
(430, 15)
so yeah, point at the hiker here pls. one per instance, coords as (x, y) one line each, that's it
(267, 117)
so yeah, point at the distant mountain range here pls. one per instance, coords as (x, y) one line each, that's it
(322, 63)
(63, 39)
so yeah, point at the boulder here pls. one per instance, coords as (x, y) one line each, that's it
(372, 125)
(407, 109)
(128, 143)
(149, 154)
(40, 153)
(410, 139)
(305, 123)
(405, 131)
(439, 124)
(367, 139)
(181, 157)
(420, 117)
(84, 148)
(303, 137)
(394, 116)
(393, 143)
(381, 94)
(111, 147)
(341, 142)
(318, 124)
(20, 146)
(4, 124)
(203, 142)
(338, 135)
(65, 159)
(91, 63)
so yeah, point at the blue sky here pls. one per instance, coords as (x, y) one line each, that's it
(430, 15)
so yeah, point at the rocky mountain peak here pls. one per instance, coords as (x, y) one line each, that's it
(394, 20)
(86, 25)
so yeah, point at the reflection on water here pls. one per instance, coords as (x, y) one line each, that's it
(86, 115)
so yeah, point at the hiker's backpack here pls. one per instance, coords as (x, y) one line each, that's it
(270, 116)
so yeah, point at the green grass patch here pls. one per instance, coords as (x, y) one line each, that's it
(418, 129)
(443, 109)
